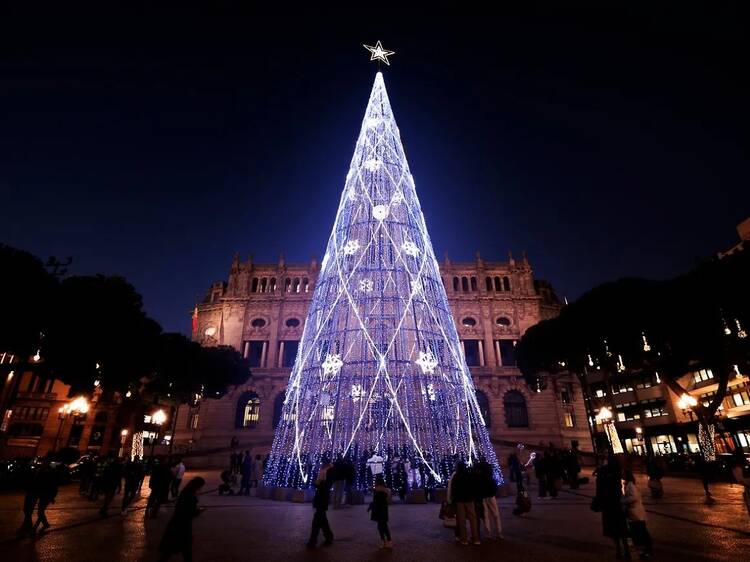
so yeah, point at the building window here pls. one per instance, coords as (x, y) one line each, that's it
(254, 287)
(193, 419)
(507, 352)
(488, 283)
(506, 284)
(292, 322)
(306, 284)
(474, 284)
(465, 284)
(469, 321)
(498, 285)
(288, 285)
(503, 321)
(254, 352)
(702, 375)
(569, 420)
(289, 354)
(258, 323)
(455, 284)
(484, 407)
(741, 398)
(471, 352)
(516, 414)
(249, 407)
(566, 394)
(272, 286)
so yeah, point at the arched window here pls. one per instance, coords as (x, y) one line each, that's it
(488, 283)
(516, 414)
(473, 283)
(484, 407)
(248, 410)
(306, 284)
(288, 285)
(263, 284)
(455, 284)
(465, 284)
(278, 409)
(503, 321)
(295, 288)
(506, 284)
(272, 287)
(498, 286)
(254, 288)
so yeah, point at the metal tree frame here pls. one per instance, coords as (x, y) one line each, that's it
(380, 366)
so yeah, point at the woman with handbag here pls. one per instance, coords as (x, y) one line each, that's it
(607, 502)
(379, 510)
(636, 514)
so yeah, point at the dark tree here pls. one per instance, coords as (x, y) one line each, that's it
(29, 292)
(687, 321)
(100, 320)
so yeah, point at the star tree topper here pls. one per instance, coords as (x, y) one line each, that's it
(379, 53)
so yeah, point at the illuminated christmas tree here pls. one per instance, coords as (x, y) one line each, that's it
(380, 367)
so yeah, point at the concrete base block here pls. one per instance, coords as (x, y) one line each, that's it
(358, 498)
(303, 496)
(283, 494)
(440, 495)
(416, 496)
(265, 493)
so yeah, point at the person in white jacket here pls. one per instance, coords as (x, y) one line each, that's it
(635, 512)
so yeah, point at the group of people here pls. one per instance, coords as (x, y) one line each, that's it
(248, 468)
(471, 496)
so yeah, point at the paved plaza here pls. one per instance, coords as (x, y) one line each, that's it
(684, 528)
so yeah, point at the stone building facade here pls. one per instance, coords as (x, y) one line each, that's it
(261, 311)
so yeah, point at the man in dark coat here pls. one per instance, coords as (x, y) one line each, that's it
(110, 482)
(161, 476)
(320, 505)
(46, 488)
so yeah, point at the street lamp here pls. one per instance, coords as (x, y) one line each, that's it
(158, 418)
(686, 403)
(605, 418)
(76, 408)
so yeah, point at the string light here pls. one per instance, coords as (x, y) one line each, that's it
(620, 364)
(380, 365)
(740, 332)
(646, 347)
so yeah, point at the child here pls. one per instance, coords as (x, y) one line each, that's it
(379, 510)
(636, 514)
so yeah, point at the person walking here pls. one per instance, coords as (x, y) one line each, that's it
(132, 476)
(178, 536)
(488, 491)
(30, 499)
(375, 465)
(461, 493)
(256, 474)
(607, 502)
(246, 471)
(46, 488)
(636, 515)
(110, 482)
(339, 481)
(161, 475)
(540, 473)
(379, 511)
(320, 505)
(655, 474)
(572, 466)
(705, 469)
(178, 472)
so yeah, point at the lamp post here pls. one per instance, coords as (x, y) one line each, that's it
(686, 403)
(157, 418)
(605, 418)
(75, 408)
(123, 439)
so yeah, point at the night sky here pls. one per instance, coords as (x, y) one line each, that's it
(605, 147)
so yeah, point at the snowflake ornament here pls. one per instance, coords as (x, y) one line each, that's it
(351, 247)
(365, 285)
(332, 364)
(380, 212)
(410, 248)
(427, 362)
(372, 165)
(397, 198)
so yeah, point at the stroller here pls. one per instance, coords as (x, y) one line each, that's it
(523, 503)
(228, 481)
